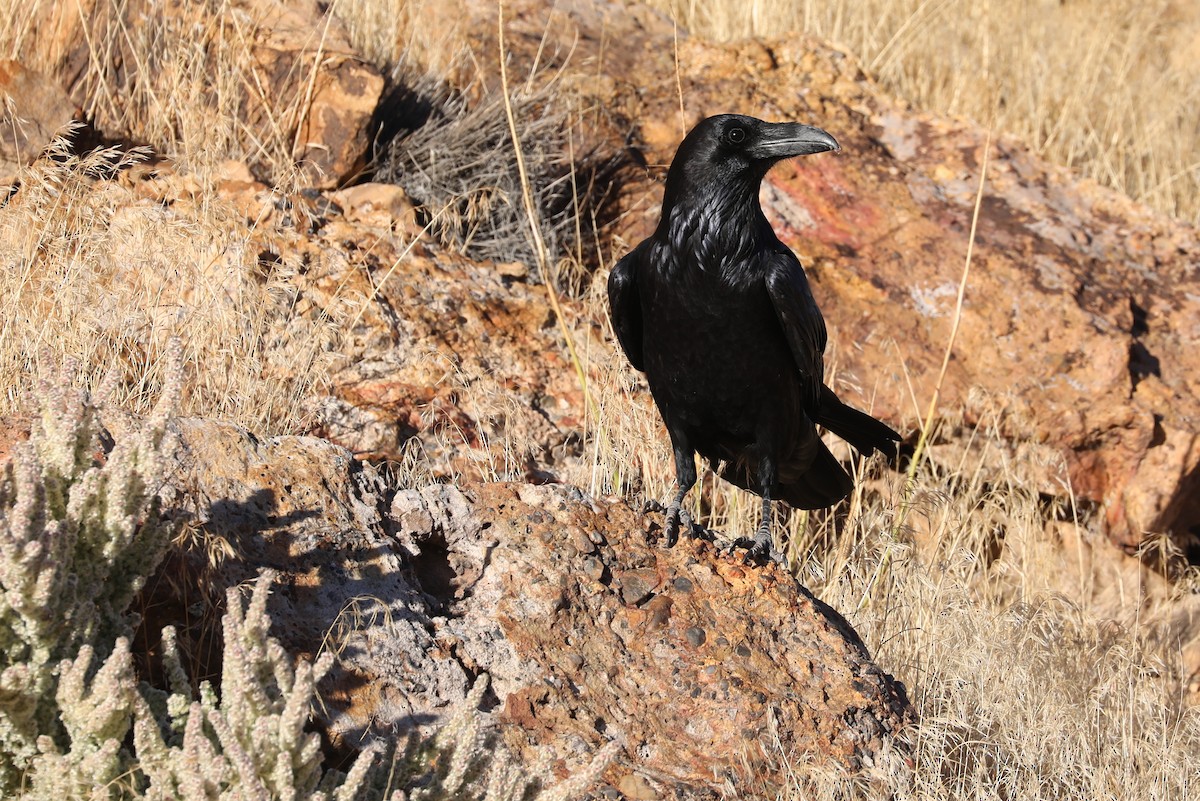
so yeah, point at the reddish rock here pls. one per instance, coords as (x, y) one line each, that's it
(380, 206)
(449, 357)
(576, 654)
(447, 583)
(1081, 317)
(12, 431)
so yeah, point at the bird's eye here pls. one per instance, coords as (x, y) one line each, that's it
(736, 135)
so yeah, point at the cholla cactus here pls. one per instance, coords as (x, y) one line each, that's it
(79, 534)
(95, 709)
(251, 743)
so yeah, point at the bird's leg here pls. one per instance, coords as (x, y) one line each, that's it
(685, 476)
(677, 516)
(764, 540)
(762, 545)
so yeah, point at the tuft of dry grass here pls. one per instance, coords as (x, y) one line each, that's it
(1109, 88)
(454, 156)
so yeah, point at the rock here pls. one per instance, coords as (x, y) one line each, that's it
(519, 601)
(637, 585)
(449, 367)
(378, 205)
(307, 508)
(33, 110)
(307, 54)
(445, 583)
(451, 359)
(1080, 324)
(302, 89)
(636, 787)
(12, 431)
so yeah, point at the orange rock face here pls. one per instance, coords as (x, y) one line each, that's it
(1082, 309)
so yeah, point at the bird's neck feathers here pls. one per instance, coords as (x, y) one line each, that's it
(717, 226)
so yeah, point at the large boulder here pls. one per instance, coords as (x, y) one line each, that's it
(1079, 326)
(589, 628)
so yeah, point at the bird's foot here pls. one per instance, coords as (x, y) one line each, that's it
(677, 517)
(759, 547)
(652, 505)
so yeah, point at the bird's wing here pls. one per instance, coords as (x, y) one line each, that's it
(625, 306)
(802, 322)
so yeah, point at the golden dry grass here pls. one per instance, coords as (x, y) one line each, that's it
(93, 272)
(105, 272)
(1111, 88)
(194, 83)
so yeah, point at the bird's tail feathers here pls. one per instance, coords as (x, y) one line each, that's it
(861, 430)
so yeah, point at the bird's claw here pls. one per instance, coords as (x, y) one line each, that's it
(652, 505)
(677, 516)
(759, 547)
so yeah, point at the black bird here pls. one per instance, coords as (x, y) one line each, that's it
(718, 313)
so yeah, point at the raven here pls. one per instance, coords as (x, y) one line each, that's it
(718, 314)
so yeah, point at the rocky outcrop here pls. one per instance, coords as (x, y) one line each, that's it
(1080, 317)
(1081, 309)
(301, 89)
(589, 628)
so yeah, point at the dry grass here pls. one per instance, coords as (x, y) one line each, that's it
(1028, 683)
(104, 272)
(92, 272)
(458, 166)
(190, 80)
(1110, 88)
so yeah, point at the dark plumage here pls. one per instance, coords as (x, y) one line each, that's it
(718, 313)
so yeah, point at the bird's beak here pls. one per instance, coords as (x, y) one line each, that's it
(781, 140)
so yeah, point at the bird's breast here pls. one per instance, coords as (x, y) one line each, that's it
(715, 352)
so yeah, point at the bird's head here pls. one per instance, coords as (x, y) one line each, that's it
(734, 152)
